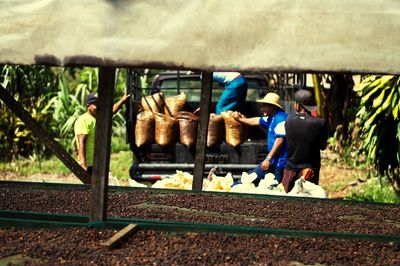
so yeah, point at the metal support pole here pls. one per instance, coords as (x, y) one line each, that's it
(102, 143)
(205, 100)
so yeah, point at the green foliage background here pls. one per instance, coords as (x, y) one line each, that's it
(379, 120)
(31, 86)
(55, 97)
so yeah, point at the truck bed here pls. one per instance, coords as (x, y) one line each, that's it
(156, 161)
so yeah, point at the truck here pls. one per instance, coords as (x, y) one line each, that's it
(152, 162)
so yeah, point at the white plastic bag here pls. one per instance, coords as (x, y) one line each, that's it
(303, 188)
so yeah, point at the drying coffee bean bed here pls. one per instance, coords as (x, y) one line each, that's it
(227, 209)
(81, 246)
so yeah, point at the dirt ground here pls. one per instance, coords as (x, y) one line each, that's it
(338, 181)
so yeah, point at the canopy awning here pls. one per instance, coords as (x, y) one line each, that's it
(360, 36)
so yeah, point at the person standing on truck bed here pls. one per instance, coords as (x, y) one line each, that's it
(306, 136)
(85, 128)
(235, 90)
(274, 121)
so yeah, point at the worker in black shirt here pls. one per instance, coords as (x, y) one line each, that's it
(306, 136)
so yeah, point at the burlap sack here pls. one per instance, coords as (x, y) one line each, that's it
(144, 128)
(166, 129)
(174, 104)
(153, 103)
(188, 125)
(235, 132)
(215, 131)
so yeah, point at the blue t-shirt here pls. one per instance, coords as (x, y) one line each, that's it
(276, 128)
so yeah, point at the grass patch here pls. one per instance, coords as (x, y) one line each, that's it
(31, 166)
(118, 143)
(121, 157)
(34, 165)
(120, 163)
(375, 190)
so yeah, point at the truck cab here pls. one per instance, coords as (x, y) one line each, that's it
(153, 162)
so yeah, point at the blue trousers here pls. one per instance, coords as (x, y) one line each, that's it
(277, 171)
(232, 98)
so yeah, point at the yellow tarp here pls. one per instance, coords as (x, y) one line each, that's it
(270, 35)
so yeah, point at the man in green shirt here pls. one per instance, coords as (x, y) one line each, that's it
(85, 128)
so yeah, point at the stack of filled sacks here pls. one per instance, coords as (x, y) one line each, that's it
(267, 186)
(162, 119)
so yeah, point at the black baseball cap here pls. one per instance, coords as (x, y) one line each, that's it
(91, 98)
(306, 99)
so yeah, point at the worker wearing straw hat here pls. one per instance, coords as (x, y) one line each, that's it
(274, 121)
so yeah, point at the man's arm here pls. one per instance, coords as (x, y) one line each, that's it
(250, 121)
(119, 104)
(82, 150)
(278, 144)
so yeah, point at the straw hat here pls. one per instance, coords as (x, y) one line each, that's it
(271, 98)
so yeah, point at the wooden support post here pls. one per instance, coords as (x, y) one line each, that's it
(102, 143)
(206, 87)
(43, 136)
(121, 235)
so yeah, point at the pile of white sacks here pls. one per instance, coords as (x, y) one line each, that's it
(268, 186)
